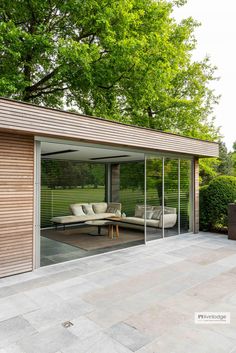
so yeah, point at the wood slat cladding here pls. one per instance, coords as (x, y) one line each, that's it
(16, 203)
(18, 116)
(115, 182)
(196, 195)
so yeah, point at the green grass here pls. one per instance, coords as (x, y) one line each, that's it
(56, 202)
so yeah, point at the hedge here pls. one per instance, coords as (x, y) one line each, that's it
(214, 200)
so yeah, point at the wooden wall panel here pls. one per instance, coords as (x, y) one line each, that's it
(196, 196)
(27, 118)
(115, 182)
(16, 203)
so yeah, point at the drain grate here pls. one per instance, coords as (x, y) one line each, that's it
(67, 324)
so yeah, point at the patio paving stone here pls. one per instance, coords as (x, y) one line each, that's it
(140, 299)
(129, 336)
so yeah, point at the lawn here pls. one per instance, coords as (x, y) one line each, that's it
(55, 202)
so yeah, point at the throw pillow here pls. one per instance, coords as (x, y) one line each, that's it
(149, 214)
(157, 214)
(77, 210)
(111, 209)
(88, 209)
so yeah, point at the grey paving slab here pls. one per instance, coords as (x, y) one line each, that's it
(100, 343)
(47, 341)
(15, 305)
(12, 348)
(129, 336)
(157, 320)
(189, 337)
(106, 316)
(84, 328)
(58, 313)
(43, 297)
(7, 291)
(140, 299)
(13, 329)
(77, 290)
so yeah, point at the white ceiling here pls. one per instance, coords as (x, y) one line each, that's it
(85, 153)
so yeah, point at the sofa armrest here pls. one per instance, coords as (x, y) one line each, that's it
(169, 220)
(116, 205)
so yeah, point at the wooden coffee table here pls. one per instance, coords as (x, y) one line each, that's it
(102, 223)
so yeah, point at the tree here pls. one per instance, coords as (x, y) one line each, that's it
(126, 60)
(233, 157)
(211, 168)
(225, 166)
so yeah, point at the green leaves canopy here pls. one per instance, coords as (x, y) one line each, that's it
(126, 60)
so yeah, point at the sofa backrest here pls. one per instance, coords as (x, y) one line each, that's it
(139, 210)
(169, 210)
(114, 207)
(99, 207)
(81, 209)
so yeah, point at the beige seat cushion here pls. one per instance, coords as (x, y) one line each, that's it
(141, 221)
(74, 219)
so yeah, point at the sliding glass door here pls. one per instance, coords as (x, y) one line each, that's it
(154, 198)
(185, 196)
(168, 196)
(171, 199)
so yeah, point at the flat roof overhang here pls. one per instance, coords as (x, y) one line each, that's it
(25, 118)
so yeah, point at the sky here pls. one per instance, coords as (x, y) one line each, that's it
(216, 38)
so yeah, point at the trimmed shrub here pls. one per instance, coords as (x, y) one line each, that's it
(204, 221)
(214, 200)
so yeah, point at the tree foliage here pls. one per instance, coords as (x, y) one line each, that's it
(225, 166)
(233, 158)
(71, 174)
(126, 60)
(213, 167)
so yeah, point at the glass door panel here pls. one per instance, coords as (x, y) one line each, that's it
(154, 190)
(171, 184)
(132, 200)
(185, 195)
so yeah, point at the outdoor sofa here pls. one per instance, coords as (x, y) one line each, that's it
(154, 217)
(83, 212)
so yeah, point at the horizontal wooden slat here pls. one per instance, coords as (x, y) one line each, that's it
(16, 203)
(15, 268)
(18, 116)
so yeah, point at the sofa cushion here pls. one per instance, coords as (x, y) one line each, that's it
(141, 221)
(100, 207)
(77, 209)
(139, 211)
(169, 210)
(111, 209)
(77, 219)
(88, 209)
(157, 214)
(116, 205)
(149, 214)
